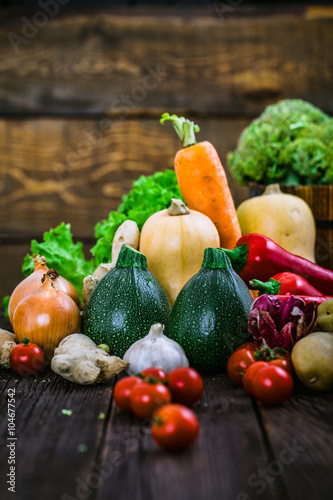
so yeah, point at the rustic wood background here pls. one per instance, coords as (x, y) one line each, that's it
(81, 94)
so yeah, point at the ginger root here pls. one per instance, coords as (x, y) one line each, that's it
(78, 359)
(7, 342)
(127, 233)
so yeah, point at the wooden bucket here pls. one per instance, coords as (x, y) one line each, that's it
(320, 200)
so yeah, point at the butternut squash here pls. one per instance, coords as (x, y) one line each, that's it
(285, 218)
(173, 241)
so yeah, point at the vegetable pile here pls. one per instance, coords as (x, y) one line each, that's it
(291, 142)
(167, 295)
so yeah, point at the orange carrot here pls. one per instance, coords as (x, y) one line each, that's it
(202, 181)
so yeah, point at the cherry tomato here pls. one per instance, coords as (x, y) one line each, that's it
(186, 385)
(175, 427)
(26, 358)
(122, 391)
(250, 346)
(270, 384)
(249, 374)
(146, 397)
(238, 363)
(154, 372)
(284, 363)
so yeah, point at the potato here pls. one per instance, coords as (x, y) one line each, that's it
(324, 321)
(312, 359)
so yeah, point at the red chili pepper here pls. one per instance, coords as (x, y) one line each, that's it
(284, 283)
(259, 257)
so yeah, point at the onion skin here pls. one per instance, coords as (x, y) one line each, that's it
(26, 286)
(68, 288)
(46, 316)
(34, 281)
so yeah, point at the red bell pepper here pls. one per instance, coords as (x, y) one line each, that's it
(283, 283)
(258, 257)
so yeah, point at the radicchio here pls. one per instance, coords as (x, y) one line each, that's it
(281, 323)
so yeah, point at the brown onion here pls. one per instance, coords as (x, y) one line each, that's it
(28, 285)
(47, 315)
(34, 281)
(68, 288)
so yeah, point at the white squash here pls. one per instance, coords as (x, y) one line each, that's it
(285, 218)
(173, 242)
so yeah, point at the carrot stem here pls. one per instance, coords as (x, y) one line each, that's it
(184, 128)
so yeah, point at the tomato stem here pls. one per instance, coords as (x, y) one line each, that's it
(158, 420)
(268, 354)
(25, 341)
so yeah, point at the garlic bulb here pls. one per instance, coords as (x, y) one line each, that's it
(155, 349)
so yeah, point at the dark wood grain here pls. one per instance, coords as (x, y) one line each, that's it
(53, 449)
(149, 61)
(76, 171)
(237, 456)
(300, 434)
(218, 465)
(11, 257)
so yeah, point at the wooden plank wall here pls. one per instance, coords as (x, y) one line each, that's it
(81, 93)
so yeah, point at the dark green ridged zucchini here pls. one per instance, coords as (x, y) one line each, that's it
(125, 303)
(209, 317)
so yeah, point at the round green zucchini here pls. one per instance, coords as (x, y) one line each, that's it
(125, 304)
(209, 317)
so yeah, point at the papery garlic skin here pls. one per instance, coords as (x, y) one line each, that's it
(155, 349)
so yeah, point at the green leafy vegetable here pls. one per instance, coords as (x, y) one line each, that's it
(289, 143)
(62, 254)
(5, 303)
(148, 195)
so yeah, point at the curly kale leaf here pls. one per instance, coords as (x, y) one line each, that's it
(266, 146)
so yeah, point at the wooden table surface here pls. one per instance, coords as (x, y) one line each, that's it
(245, 450)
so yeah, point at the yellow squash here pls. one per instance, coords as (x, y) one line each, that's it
(285, 218)
(173, 242)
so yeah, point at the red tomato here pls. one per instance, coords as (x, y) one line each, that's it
(186, 385)
(146, 397)
(122, 391)
(238, 363)
(249, 374)
(284, 363)
(250, 346)
(175, 427)
(154, 372)
(270, 384)
(26, 358)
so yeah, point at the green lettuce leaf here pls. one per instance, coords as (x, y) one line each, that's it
(149, 194)
(4, 305)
